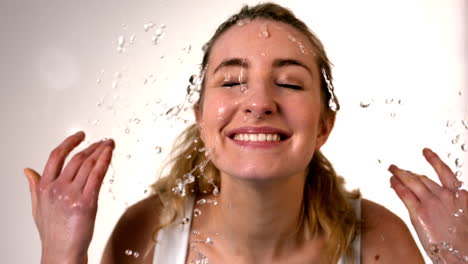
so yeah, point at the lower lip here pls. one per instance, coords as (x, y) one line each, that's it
(257, 144)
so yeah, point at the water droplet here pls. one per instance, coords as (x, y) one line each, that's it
(115, 83)
(216, 191)
(457, 184)
(196, 212)
(240, 22)
(392, 115)
(189, 156)
(185, 221)
(136, 254)
(365, 103)
(128, 252)
(201, 201)
(450, 123)
(189, 178)
(158, 149)
(127, 130)
(120, 44)
(452, 230)
(264, 32)
(460, 211)
(465, 123)
(458, 174)
(148, 26)
(459, 163)
(201, 259)
(464, 147)
(129, 156)
(202, 149)
(98, 81)
(456, 139)
(132, 38)
(209, 240)
(187, 48)
(389, 100)
(136, 121)
(449, 155)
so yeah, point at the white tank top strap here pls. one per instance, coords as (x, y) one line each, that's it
(172, 241)
(356, 245)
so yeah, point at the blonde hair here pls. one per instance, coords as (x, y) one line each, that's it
(326, 203)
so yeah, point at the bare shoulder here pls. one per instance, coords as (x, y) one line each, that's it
(385, 237)
(134, 231)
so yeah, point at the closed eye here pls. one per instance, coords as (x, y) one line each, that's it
(291, 86)
(231, 84)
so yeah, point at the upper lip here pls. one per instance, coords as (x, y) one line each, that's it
(258, 130)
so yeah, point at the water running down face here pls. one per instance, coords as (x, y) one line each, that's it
(261, 111)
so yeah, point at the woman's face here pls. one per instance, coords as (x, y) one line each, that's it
(260, 116)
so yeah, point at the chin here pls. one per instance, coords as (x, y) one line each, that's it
(256, 174)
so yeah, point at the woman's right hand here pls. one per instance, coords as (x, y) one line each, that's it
(64, 199)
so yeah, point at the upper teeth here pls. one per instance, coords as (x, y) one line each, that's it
(257, 137)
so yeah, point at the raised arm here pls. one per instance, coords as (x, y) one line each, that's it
(439, 213)
(64, 199)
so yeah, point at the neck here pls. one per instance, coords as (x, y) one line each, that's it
(260, 219)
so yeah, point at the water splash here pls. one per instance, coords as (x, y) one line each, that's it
(121, 44)
(148, 26)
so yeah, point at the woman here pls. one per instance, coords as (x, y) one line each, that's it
(261, 191)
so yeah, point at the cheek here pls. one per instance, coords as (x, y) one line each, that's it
(305, 112)
(218, 110)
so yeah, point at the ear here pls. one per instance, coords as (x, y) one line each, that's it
(326, 126)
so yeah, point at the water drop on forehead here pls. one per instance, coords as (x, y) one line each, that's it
(264, 32)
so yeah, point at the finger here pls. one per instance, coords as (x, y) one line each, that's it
(445, 174)
(59, 154)
(72, 168)
(88, 166)
(33, 180)
(405, 194)
(431, 185)
(94, 182)
(411, 181)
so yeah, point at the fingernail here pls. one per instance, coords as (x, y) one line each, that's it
(110, 142)
(392, 167)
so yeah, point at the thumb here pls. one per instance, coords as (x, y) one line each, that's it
(33, 180)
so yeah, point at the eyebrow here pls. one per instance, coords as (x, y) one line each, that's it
(238, 62)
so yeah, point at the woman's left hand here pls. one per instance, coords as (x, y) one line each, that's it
(439, 213)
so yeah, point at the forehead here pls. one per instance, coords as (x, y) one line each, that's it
(262, 38)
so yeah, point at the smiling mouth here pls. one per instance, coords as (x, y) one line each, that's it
(258, 137)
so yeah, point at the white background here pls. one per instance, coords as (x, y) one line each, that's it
(60, 71)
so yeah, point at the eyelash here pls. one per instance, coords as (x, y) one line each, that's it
(285, 85)
(231, 84)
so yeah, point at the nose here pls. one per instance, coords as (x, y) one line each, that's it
(260, 101)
